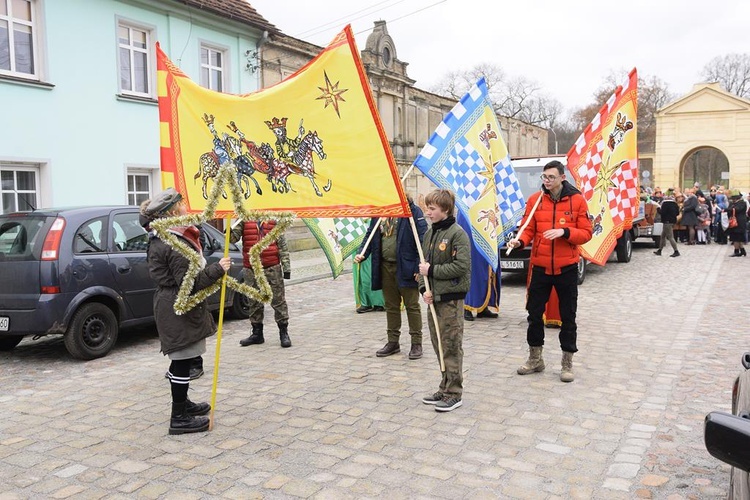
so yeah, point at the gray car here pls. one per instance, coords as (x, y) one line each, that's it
(727, 437)
(82, 273)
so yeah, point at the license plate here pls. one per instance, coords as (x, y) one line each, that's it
(511, 264)
(4, 323)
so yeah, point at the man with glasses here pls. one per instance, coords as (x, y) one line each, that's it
(560, 223)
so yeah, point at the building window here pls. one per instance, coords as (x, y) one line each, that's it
(18, 38)
(212, 68)
(139, 187)
(134, 44)
(19, 188)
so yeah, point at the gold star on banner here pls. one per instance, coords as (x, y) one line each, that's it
(604, 180)
(331, 94)
(490, 176)
(185, 301)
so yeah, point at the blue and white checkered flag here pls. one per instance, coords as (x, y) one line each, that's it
(467, 155)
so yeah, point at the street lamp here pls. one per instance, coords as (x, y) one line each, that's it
(554, 134)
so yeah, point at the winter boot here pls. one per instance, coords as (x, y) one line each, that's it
(535, 363)
(197, 409)
(284, 335)
(256, 337)
(566, 375)
(184, 423)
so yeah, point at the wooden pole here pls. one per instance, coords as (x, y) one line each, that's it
(427, 287)
(528, 219)
(228, 224)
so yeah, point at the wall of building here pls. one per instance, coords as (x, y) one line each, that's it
(75, 126)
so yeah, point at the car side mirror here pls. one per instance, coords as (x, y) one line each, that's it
(727, 438)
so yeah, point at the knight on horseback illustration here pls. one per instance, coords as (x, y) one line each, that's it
(295, 157)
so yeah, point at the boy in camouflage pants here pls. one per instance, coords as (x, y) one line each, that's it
(447, 266)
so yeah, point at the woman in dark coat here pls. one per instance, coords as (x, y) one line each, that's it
(183, 337)
(690, 214)
(737, 235)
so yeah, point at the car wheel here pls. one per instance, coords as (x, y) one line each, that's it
(581, 270)
(624, 248)
(92, 332)
(10, 342)
(240, 306)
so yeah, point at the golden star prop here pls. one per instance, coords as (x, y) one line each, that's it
(186, 300)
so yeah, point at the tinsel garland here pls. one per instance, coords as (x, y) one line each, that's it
(227, 176)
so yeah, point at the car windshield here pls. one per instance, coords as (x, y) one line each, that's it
(528, 179)
(21, 238)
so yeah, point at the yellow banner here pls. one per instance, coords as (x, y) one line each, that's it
(312, 144)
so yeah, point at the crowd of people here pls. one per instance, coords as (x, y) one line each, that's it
(692, 217)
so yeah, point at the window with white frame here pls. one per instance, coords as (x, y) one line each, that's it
(135, 75)
(139, 186)
(213, 66)
(18, 38)
(19, 188)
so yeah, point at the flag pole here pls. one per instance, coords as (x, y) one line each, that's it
(228, 224)
(379, 220)
(427, 287)
(528, 219)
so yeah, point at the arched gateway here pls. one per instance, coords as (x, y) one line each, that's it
(703, 137)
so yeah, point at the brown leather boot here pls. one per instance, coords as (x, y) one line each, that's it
(388, 349)
(416, 351)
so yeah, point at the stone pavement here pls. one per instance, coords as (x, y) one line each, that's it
(660, 343)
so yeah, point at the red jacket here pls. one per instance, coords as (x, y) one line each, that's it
(570, 212)
(252, 232)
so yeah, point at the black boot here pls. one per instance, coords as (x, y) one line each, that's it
(196, 368)
(284, 335)
(184, 423)
(736, 253)
(743, 252)
(256, 337)
(197, 409)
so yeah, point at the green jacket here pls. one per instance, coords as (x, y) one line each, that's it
(448, 250)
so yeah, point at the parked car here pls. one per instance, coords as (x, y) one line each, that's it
(727, 437)
(82, 273)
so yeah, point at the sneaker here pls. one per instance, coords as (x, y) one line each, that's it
(434, 399)
(448, 404)
(364, 309)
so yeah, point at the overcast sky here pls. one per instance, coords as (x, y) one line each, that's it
(568, 47)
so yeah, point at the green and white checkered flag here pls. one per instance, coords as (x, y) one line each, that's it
(338, 237)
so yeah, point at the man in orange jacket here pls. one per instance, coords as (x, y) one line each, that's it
(559, 224)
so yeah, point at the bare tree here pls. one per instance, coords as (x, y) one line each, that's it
(514, 97)
(732, 71)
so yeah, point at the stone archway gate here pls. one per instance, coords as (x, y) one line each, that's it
(707, 116)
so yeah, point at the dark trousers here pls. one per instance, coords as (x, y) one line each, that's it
(540, 287)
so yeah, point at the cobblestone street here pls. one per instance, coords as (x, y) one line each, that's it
(660, 342)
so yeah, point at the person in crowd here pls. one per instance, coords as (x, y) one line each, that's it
(680, 231)
(367, 299)
(447, 269)
(738, 234)
(704, 221)
(395, 268)
(690, 215)
(669, 211)
(558, 226)
(721, 205)
(277, 268)
(182, 337)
